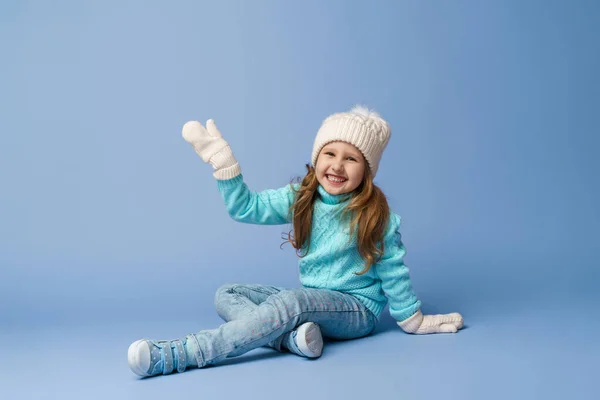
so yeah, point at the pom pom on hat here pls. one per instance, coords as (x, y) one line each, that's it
(364, 111)
(360, 127)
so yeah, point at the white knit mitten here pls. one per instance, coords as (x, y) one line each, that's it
(423, 324)
(212, 148)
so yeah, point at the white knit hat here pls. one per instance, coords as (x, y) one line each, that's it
(361, 127)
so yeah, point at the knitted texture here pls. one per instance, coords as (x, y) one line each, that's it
(333, 258)
(209, 144)
(360, 127)
(424, 324)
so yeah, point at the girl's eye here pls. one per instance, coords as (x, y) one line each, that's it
(329, 153)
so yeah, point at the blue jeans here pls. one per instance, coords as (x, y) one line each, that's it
(261, 315)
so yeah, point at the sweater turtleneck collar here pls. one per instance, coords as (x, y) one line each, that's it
(332, 198)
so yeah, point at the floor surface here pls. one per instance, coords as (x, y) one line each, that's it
(538, 353)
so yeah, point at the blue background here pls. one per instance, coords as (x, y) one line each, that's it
(112, 229)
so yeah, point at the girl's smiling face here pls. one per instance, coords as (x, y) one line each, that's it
(340, 167)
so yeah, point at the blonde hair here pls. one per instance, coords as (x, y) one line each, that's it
(368, 211)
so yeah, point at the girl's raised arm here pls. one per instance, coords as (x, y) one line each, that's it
(269, 207)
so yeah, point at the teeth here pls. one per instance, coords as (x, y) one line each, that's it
(331, 178)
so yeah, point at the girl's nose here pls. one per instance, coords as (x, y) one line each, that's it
(337, 167)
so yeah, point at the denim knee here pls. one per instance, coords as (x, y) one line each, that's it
(221, 291)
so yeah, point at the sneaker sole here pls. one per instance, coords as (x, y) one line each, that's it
(312, 345)
(134, 361)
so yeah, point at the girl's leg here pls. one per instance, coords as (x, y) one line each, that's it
(234, 301)
(339, 315)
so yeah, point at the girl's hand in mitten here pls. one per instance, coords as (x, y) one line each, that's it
(423, 324)
(212, 148)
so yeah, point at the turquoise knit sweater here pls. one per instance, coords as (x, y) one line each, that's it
(333, 257)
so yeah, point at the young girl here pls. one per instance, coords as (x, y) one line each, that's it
(348, 241)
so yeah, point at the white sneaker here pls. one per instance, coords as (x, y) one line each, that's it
(153, 357)
(308, 339)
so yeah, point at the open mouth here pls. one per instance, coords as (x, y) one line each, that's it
(335, 180)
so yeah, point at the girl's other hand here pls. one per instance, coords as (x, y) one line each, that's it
(424, 324)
